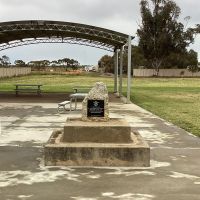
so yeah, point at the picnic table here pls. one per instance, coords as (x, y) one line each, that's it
(28, 88)
(73, 97)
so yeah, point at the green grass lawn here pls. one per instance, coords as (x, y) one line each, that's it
(176, 100)
(54, 83)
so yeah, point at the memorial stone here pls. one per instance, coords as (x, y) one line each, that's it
(95, 104)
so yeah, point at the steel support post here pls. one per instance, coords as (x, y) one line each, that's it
(116, 72)
(121, 71)
(129, 71)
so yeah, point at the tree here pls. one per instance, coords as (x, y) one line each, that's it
(137, 59)
(192, 58)
(5, 61)
(193, 62)
(74, 64)
(181, 60)
(160, 34)
(1, 62)
(193, 68)
(20, 63)
(54, 63)
(65, 61)
(61, 62)
(39, 64)
(45, 63)
(106, 64)
(197, 29)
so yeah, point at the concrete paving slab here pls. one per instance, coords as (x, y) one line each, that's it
(25, 126)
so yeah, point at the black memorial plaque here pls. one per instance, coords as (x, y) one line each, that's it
(95, 108)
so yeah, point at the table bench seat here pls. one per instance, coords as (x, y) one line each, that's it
(61, 105)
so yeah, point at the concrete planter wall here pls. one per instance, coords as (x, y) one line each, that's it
(14, 71)
(165, 73)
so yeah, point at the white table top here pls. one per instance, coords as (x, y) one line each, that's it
(78, 95)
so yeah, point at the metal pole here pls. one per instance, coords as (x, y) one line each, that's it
(121, 71)
(129, 71)
(116, 72)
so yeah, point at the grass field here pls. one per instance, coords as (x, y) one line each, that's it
(176, 100)
(54, 83)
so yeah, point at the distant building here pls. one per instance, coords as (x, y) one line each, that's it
(89, 68)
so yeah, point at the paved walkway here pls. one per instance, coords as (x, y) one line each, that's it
(174, 173)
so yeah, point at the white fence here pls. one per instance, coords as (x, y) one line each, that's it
(165, 73)
(14, 71)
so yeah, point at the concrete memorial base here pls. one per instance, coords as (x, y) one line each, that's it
(110, 143)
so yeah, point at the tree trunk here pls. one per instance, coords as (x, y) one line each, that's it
(156, 66)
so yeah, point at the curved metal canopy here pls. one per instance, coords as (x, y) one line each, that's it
(18, 33)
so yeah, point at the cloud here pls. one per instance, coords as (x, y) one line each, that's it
(94, 12)
(189, 8)
(122, 16)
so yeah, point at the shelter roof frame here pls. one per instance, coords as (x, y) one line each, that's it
(18, 33)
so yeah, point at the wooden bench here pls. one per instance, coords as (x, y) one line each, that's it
(28, 88)
(61, 106)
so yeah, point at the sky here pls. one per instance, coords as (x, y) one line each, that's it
(122, 16)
